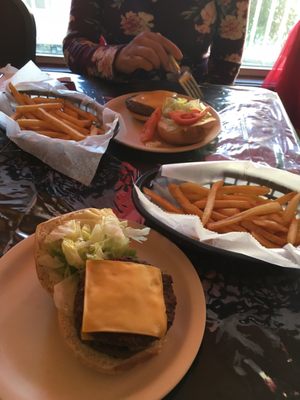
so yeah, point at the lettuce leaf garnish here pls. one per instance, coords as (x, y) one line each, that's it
(69, 245)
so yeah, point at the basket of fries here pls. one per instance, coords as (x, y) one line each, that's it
(238, 209)
(65, 129)
(56, 115)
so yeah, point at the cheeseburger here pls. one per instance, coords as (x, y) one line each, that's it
(114, 310)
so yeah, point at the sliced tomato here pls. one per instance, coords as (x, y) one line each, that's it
(150, 126)
(187, 118)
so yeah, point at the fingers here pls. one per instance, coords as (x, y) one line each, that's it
(143, 63)
(170, 47)
(128, 64)
(147, 51)
(134, 56)
(157, 48)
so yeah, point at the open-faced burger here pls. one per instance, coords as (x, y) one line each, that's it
(114, 310)
(180, 121)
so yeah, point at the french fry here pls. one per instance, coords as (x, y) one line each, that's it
(83, 123)
(258, 210)
(277, 240)
(27, 101)
(83, 131)
(160, 201)
(193, 197)
(73, 113)
(60, 125)
(249, 189)
(217, 216)
(210, 201)
(82, 113)
(194, 188)
(229, 211)
(286, 198)
(293, 230)
(240, 204)
(41, 100)
(183, 201)
(35, 107)
(262, 240)
(33, 124)
(291, 209)
(270, 225)
(231, 228)
(237, 197)
(277, 217)
(260, 200)
(53, 134)
(18, 97)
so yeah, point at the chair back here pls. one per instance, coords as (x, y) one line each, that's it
(17, 34)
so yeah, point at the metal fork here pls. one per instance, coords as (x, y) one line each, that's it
(187, 81)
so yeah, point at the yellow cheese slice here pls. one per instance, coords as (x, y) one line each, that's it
(154, 98)
(123, 297)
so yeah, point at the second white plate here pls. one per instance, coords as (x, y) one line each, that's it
(130, 135)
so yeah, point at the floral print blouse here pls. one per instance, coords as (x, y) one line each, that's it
(209, 33)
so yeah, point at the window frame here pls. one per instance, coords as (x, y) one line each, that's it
(55, 61)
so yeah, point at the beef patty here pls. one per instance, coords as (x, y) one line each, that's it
(123, 345)
(138, 108)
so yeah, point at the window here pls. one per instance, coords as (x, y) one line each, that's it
(268, 26)
(40, 3)
(51, 18)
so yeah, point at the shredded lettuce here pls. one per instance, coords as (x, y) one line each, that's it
(181, 104)
(69, 245)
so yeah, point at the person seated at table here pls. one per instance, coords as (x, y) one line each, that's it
(122, 40)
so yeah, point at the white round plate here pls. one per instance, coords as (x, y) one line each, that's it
(130, 136)
(35, 363)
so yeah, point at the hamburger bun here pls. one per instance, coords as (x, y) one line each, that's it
(184, 121)
(49, 277)
(105, 354)
(177, 135)
(99, 361)
(107, 350)
(142, 105)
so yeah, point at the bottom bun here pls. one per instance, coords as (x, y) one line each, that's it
(178, 135)
(96, 360)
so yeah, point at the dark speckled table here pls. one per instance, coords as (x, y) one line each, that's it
(251, 346)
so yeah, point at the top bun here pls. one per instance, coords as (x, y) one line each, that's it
(49, 277)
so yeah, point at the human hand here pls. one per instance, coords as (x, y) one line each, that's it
(147, 51)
